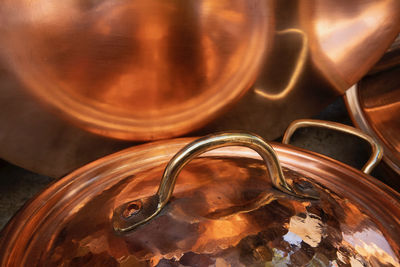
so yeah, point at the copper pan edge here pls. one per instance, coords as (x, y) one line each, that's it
(357, 116)
(337, 176)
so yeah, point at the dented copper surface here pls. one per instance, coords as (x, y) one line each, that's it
(208, 221)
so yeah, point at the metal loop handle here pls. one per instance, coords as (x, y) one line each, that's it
(130, 215)
(298, 69)
(376, 147)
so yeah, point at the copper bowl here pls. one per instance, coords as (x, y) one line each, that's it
(228, 209)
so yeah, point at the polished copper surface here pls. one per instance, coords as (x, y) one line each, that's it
(208, 221)
(374, 105)
(136, 69)
(155, 69)
(320, 49)
(390, 59)
(35, 139)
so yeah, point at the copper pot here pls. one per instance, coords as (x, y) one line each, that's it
(374, 105)
(229, 208)
(136, 70)
(145, 70)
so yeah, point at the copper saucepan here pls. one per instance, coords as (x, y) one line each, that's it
(223, 208)
(374, 106)
(143, 70)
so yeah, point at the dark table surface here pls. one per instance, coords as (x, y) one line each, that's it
(18, 185)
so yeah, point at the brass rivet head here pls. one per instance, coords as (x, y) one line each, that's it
(132, 208)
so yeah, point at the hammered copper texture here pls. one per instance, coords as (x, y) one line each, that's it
(207, 222)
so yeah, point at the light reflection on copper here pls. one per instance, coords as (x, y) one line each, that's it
(144, 70)
(224, 233)
(139, 70)
(336, 24)
(371, 244)
(336, 35)
(278, 232)
(81, 58)
(309, 229)
(374, 105)
(298, 68)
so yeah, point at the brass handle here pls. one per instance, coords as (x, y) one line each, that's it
(132, 214)
(299, 66)
(376, 148)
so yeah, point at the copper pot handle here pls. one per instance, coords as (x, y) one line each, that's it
(377, 151)
(134, 213)
(298, 68)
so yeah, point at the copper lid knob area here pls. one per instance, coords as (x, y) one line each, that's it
(132, 214)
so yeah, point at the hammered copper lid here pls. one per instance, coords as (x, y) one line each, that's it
(225, 211)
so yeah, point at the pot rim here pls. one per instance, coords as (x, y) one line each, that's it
(358, 117)
(337, 176)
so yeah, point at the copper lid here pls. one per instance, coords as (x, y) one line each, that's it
(227, 210)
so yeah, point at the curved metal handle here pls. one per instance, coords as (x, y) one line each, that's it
(376, 148)
(130, 215)
(299, 66)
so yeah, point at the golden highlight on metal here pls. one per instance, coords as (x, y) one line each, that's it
(298, 68)
(152, 206)
(377, 151)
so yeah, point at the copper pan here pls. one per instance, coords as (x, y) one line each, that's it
(211, 202)
(142, 70)
(374, 106)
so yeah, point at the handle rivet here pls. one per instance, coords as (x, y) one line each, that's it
(132, 208)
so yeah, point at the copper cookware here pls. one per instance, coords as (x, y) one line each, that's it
(227, 208)
(390, 59)
(154, 69)
(374, 105)
(136, 70)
